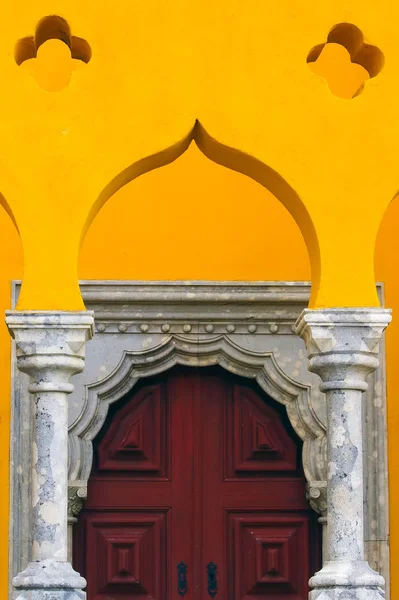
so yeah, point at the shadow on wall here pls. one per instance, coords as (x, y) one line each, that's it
(194, 220)
(345, 61)
(52, 53)
(386, 256)
(386, 270)
(12, 257)
(52, 28)
(231, 159)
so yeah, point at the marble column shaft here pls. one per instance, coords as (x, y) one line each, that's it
(343, 350)
(50, 349)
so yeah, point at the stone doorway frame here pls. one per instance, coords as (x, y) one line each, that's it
(242, 326)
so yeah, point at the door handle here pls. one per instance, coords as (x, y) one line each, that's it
(182, 586)
(212, 569)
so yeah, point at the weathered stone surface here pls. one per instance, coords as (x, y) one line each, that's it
(140, 332)
(343, 349)
(50, 349)
(49, 595)
(347, 580)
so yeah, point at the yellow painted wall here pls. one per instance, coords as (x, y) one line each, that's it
(11, 267)
(197, 220)
(154, 69)
(271, 102)
(194, 220)
(387, 270)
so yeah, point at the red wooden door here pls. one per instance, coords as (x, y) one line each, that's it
(199, 468)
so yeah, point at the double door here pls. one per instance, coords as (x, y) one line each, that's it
(196, 493)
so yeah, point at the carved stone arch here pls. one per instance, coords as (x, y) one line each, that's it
(186, 351)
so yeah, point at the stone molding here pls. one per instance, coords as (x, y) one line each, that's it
(143, 328)
(49, 343)
(343, 345)
(196, 353)
(317, 496)
(77, 494)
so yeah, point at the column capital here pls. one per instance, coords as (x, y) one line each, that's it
(343, 343)
(316, 493)
(77, 494)
(50, 346)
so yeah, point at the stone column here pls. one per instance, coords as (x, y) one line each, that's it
(50, 349)
(343, 349)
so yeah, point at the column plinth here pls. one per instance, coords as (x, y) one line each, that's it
(50, 349)
(342, 347)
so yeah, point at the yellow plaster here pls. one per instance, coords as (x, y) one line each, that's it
(344, 78)
(387, 269)
(235, 229)
(53, 66)
(11, 267)
(195, 221)
(239, 69)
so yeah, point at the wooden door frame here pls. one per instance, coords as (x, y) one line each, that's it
(145, 328)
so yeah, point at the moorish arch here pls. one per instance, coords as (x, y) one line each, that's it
(132, 344)
(230, 158)
(96, 389)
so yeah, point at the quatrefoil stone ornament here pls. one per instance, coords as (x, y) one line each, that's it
(52, 54)
(345, 61)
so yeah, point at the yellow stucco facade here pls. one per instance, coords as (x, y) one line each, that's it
(195, 87)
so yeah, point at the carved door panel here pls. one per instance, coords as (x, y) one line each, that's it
(137, 522)
(196, 493)
(257, 525)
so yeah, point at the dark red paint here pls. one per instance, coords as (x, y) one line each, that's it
(199, 467)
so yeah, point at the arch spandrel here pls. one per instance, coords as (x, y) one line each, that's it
(245, 78)
(65, 241)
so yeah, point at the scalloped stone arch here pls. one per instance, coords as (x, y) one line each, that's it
(180, 350)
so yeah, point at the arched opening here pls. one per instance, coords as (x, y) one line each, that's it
(11, 268)
(11, 259)
(187, 498)
(194, 220)
(386, 271)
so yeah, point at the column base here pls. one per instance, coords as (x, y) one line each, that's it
(346, 593)
(49, 595)
(342, 580)
(49, 580)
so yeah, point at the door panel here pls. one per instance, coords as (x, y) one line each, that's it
(258, 551)
(256, 440)
(137, 441)
(267, 556)
(127, 554)
(197, 469)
